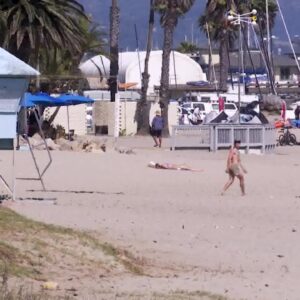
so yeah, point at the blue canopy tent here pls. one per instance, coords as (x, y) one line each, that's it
(31, 100)
(73, 99)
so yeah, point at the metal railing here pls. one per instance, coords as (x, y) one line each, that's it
(217, 136)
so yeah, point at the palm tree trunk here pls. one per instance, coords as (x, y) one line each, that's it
(143, 109)
(223, 63)
(209, 71)
(114, 48)
(165, 70)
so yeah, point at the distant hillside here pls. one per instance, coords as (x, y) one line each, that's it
(136, 12)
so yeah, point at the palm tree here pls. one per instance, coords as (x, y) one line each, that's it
(189, 48)
(2, 27)
(260, 6)
(143, 109)
(35, 24)
(114, 48)
(170, 11)
(215, 22)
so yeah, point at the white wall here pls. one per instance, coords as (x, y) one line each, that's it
(77, 117)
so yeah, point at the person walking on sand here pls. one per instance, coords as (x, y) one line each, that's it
(157, 126)
(235, 168)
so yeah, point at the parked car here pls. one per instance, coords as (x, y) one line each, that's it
(229, 108)
(195, 111)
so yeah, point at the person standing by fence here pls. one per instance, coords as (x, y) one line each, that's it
(157, 126)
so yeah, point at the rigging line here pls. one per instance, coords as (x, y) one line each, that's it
(210, 50)
(252, 63)
(262, 55)
(267, 57)
(229, 64)
(288, 34)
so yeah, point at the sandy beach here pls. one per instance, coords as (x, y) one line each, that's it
(185, 235)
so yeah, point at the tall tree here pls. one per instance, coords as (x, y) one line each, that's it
(35, 24)
(143, 109)
(114, 48)
(189, 48)
(215, 22)
(170, 11)
(260, 6)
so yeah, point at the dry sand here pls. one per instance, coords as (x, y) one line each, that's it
(189, 237)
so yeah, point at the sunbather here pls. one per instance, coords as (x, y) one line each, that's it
(167, 166)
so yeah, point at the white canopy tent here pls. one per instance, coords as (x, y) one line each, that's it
(131, 65)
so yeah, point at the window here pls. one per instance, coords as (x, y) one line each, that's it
(230, 106)
(205, 99)
(200, 105)
(285, 73)
(186, 105)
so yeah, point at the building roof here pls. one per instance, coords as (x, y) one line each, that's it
(11, 66)
(258, 61)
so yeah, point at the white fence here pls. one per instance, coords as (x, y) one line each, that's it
(214, 137)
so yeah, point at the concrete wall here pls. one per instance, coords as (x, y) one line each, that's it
(104, 116)
(77, 118)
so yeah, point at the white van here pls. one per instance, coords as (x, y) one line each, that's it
(229, 108)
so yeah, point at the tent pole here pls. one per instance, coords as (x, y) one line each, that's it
(14, 172)
(68, 123)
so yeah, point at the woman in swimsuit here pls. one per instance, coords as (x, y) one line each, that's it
(235, 168)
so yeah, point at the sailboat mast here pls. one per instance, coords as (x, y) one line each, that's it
(268, 30)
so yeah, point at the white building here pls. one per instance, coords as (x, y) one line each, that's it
(131, 65)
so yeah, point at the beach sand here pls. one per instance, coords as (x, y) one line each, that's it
(188, 237)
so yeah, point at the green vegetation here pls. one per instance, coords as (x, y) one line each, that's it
(189, 48)
(27, 248)
(51, 35)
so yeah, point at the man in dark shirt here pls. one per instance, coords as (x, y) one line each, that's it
(157, 127)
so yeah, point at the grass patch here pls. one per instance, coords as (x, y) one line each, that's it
(27, 246)
(182, 295)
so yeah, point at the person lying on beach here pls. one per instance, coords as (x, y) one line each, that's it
(167, 166)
